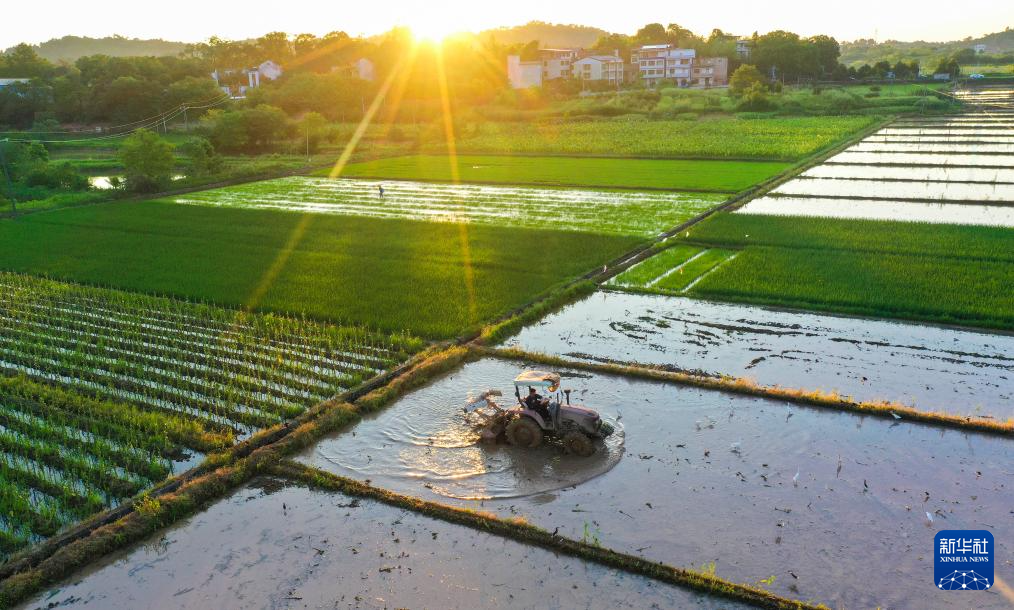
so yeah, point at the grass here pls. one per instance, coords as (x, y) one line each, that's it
(621, 213)
(706, 175)
(786, 139)
(432, 279)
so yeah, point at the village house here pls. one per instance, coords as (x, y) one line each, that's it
(655, 62)
(231, 80)
(710, 72)
(551, 64)
(362, 69)
(608, 68)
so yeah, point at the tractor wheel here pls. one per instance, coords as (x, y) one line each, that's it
(578, 444)
(523, 432)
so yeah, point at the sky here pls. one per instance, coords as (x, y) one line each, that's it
(195, 20)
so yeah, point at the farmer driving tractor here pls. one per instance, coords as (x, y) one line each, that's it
(537, 403)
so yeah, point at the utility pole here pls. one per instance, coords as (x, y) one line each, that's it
(186, 123)
(7, 175)
(308, 143)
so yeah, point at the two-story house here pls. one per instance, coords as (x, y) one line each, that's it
(655, 62)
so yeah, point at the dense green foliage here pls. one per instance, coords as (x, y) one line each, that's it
(726, 176)
(148, 161)
(948, 273)
(434, 279)
(781, 138)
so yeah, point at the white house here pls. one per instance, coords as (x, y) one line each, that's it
(269, 70)
(523, 74)
(552, 64)
(655, 62)
(980, 49)
(607, 68)
(743, 48)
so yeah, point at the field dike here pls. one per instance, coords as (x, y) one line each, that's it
(525, 533)
(815, 398)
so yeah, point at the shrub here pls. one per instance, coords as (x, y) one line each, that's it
(745, 77)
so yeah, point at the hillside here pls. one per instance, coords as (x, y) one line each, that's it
(868, 51)
(548, 34)
(70, 48)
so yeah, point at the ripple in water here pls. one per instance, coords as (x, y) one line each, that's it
(425, 438)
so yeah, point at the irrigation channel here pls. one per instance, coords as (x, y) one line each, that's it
(836, 507)
(930, 367)
(277, 545)
(955, 170)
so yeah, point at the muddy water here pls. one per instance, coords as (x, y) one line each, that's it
(708, 479)
(906, 211)
(277, 546)
(435, 446)
(961, 372)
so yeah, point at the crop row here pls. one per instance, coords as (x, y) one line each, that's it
(762, 138)
(105, 393)
(623, 213)
(673, 270)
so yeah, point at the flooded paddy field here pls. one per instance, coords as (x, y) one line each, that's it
(940, 213)
(851, 156)
(277, 545)
(616, 212)
(821, 505)
(897, 190)
(928, 173)
(1004, 148)
(934, 368)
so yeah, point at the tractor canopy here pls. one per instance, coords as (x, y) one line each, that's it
(538, 379)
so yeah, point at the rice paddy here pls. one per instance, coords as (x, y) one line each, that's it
(764, 138)
(674, 270)
(672, 174)
(105, 393)
(617, 213)
(430, 279)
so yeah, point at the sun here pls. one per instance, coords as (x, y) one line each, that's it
(433, 28)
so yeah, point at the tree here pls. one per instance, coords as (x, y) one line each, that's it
(755, 99)
(147, 160)
(22, 61)
(827, 51)
(949, 66)
(745, 77)
(202, 160)
(653, 33)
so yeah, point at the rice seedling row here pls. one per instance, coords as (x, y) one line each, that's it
(672, 271)
(103, 393)
(765, 138)
(898, 190)
(651, 269)
(617, 212)
(593, 172)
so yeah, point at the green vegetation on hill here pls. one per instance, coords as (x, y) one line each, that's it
(945, 273)
(432, 279)
(708, 175)
(70, 48)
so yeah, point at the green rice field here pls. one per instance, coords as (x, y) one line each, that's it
(786, 139)
(105, 393)
(391, 274)
(673, 270)
(943, 273)
(619, 213)
(673, 174)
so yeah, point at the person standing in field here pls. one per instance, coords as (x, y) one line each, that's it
(380, 190)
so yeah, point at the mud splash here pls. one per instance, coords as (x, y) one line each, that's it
(427, 441)
(961, 372)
